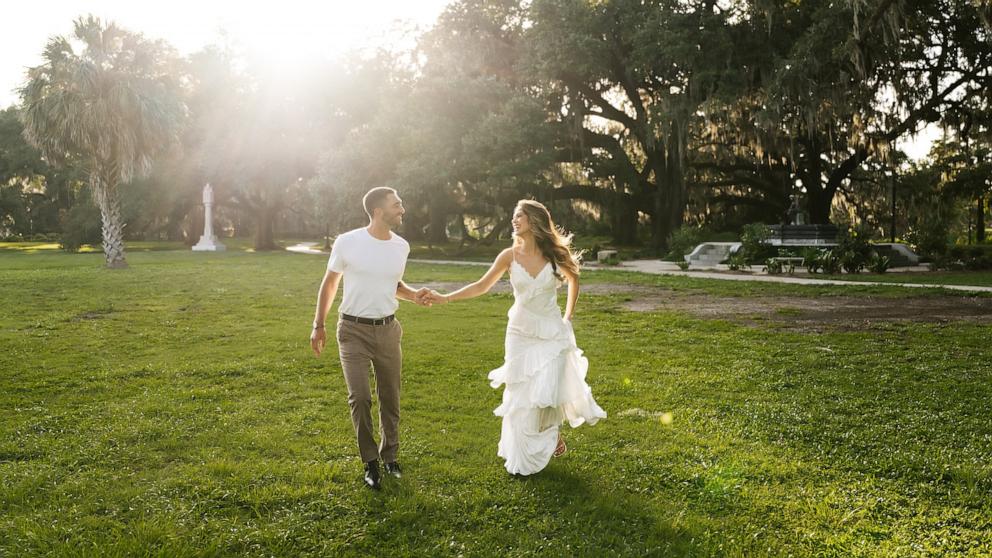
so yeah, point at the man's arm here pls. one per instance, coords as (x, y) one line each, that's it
(325, 298)
(408, 293)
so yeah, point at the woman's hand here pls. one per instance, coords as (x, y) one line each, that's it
(438, 298)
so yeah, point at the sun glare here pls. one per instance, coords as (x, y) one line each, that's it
(289, 32)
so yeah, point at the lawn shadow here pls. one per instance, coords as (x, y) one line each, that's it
(596, 522)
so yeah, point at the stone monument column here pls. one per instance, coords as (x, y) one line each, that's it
(208, 242)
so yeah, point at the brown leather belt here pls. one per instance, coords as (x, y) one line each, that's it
(369, 321)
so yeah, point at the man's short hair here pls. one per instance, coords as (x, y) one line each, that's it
(375, 197)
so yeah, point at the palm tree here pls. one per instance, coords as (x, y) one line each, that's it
(111, 107)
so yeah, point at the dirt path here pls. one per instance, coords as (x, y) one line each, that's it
(792, 312)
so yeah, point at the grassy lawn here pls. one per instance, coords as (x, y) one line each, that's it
(240, 244)
(978, 278)
(173, 408)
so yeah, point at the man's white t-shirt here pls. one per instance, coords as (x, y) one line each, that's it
(372, 268)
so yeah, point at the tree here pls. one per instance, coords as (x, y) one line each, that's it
(629, 77)
(849, 79)
(368, 101)
(110, 107)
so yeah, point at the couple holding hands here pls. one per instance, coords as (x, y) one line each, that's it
(544, 371)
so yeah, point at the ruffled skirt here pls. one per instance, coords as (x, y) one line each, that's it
(545, 377)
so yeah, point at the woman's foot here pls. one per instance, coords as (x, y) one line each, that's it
(561, 448)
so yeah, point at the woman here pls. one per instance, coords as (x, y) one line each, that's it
(544, 371)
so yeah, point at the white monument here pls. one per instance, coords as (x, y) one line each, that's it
(208, 242)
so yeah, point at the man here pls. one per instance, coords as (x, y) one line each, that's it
(371, 260)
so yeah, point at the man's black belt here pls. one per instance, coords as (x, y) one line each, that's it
(369, 321)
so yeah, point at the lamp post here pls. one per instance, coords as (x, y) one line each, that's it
(892, 210)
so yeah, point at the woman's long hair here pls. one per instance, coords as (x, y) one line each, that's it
(554, 243)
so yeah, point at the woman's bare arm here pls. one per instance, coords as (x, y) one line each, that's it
(486, 282)
(573, 294)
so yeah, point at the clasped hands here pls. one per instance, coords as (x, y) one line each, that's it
(429, 297)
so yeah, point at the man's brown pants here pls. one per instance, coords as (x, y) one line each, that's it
(360, 346)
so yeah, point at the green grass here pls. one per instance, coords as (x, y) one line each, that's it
(240, 244)
(173, 408)
(975, 278)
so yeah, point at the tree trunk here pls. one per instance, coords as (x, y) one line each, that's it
(624, 220)
(818, 198)
(105, 192)
(676, 195)
(659, 215)
(980, 221)
(818, 203)
(196, 221)
(437, 232)
(264, 238)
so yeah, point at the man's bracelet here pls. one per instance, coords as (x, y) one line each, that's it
(318, 326)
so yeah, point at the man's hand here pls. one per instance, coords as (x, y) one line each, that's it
(423, 297)
(317, 339)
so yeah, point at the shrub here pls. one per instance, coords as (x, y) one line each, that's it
(754, 243)
(683, 240)
(811, 259)
(81, 225)
(612, 259)
(737, 261)
(877, 263)
(852, 250)
(773, 266)
(829, 262)
(956, 258)
(979, 263)
(929, 237)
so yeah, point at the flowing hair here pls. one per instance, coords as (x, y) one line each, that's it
(552, 241)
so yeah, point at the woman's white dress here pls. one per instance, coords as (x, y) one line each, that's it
(544, 373)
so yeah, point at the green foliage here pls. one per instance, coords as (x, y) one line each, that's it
(929, 238)
(774, 266)
(684, 239)
(853, 250)
(782, 263)
(830, 262)
(81, 225)
(970, 258)
(812, 259)
(754, 245)
(612, 259)
(878, 264)
(107, 101)
(613, 110)
(738, 261)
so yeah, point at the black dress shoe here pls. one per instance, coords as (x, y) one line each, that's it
(372, 475)
(393, 468)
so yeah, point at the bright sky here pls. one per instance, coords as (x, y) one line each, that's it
(279, 30)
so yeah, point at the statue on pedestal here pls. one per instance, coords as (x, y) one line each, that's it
(208, 242)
